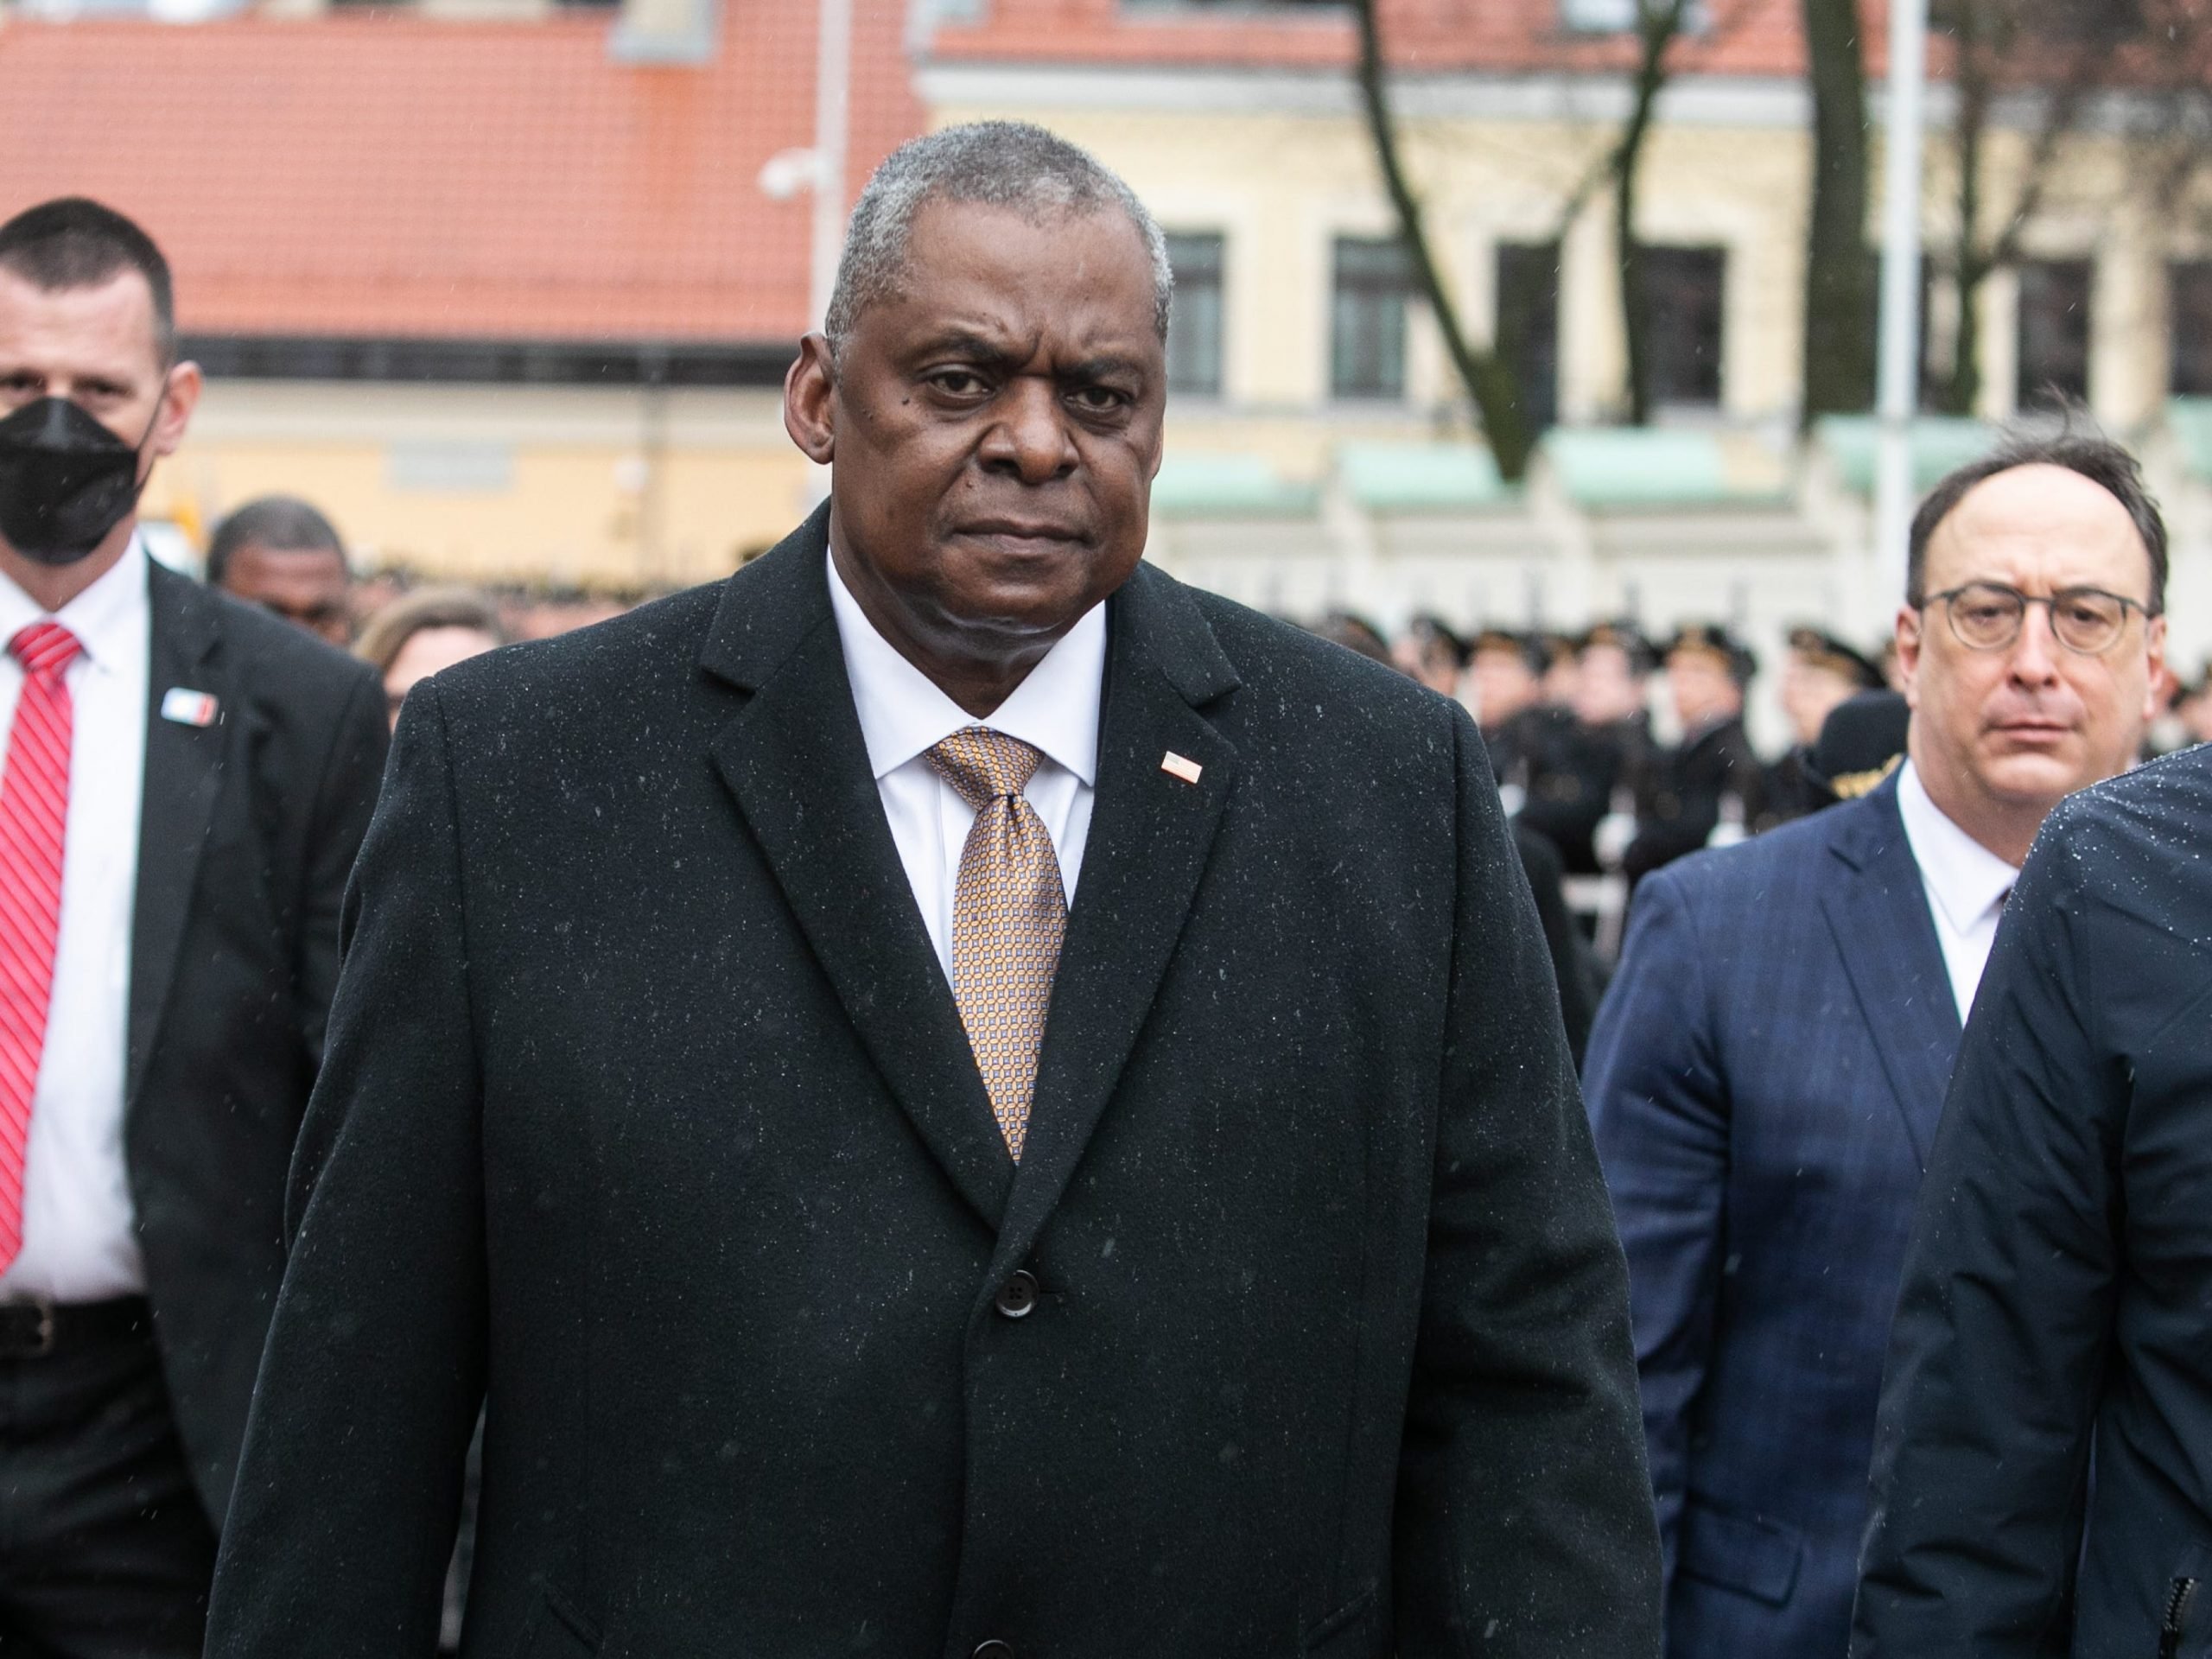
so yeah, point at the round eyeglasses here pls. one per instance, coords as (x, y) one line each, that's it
(1988, 615)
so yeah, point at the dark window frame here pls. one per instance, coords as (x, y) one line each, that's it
(1363, 299)
(489, 362)
(1198, 335)
(1525, 324)
(2189, 349)
(2054, 337)
(1687, 372)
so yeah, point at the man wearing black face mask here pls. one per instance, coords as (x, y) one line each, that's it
(184, 781)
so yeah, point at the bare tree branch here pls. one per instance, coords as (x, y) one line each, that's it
(1488, 381)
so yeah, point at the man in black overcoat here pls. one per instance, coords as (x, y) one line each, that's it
(687, 1101)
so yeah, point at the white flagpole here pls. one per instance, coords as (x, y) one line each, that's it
(1898, 369)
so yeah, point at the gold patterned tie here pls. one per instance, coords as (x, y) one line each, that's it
(1009, 914)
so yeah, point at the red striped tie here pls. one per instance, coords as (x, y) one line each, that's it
(34, 815)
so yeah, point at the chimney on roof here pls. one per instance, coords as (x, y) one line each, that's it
(663, 31)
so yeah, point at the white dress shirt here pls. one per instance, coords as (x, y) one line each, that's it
(1966, 886)
(79, 1241)
(904, 715)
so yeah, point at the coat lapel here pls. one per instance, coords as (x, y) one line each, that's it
(184, 775)
(1880, 919)
(1151, 834)
(796, 761)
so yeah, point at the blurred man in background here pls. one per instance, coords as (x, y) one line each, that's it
(1769, 1065)
(1593, 766)
(2193, 709)
(1503, 680)
(1712, 776)
(1562, 671)
(420, 632)
(1430, 651)
(186, 783)
(1820, 672)
(1819, 676)
(282, 554)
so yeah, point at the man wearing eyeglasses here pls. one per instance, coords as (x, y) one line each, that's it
(1768, 1068)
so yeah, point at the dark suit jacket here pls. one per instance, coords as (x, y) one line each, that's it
(648, 1107)
(2058, 1297)
(248, 828)
(1680, 797)
(1764, 1080)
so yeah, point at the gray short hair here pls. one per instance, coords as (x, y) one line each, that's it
(1002, 163)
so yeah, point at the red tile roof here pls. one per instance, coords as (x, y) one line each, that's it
(1751, 37)
(381, 173)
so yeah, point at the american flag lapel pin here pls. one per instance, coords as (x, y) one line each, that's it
(1178, 765)
(189, 707)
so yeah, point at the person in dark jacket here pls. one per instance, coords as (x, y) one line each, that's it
(2042, 1474)
(1594, 766)
(1504, 679)
(692, 1103)
(1820, 674)
(185, 784)
(1574, 970)
(1769, 1064)
(1713, 775)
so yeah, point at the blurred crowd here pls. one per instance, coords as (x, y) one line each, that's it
(1625, 752)
(285, 554)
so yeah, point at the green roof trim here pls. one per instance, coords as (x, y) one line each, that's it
(1230, 487)
(1940, 444)
(1422, 477)
(1609, 468)
(2189, 419)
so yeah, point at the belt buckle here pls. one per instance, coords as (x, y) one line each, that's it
(42, 1343)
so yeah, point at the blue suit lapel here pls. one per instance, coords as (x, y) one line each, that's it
(1879, 913)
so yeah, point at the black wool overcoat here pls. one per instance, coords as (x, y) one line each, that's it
(1301, 1327)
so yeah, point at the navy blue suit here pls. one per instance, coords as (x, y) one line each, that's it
(1764, 1080)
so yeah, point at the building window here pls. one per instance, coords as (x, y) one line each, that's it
(485, 362)
(1685, 293)
(1233, 5)
(2054, 332)
(1367, 341)
(2189, 328)
(1619, 16)
(1194, 332)
(1528, 327)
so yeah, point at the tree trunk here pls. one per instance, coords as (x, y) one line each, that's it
(1488, 381)
(1839, 310)
(1658, 22)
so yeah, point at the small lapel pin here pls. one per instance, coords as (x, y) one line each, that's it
(189, 707)
(1177, 766)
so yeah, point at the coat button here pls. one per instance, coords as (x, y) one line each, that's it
(993, 1649)
(1016, 1300)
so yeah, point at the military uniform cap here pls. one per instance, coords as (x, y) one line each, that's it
(1528, 646)
(1709, 639)
(1624, 637)
(1823, 650)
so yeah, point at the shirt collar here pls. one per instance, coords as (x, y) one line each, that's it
(109, 617)
(904, 714)
(1967, 878)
